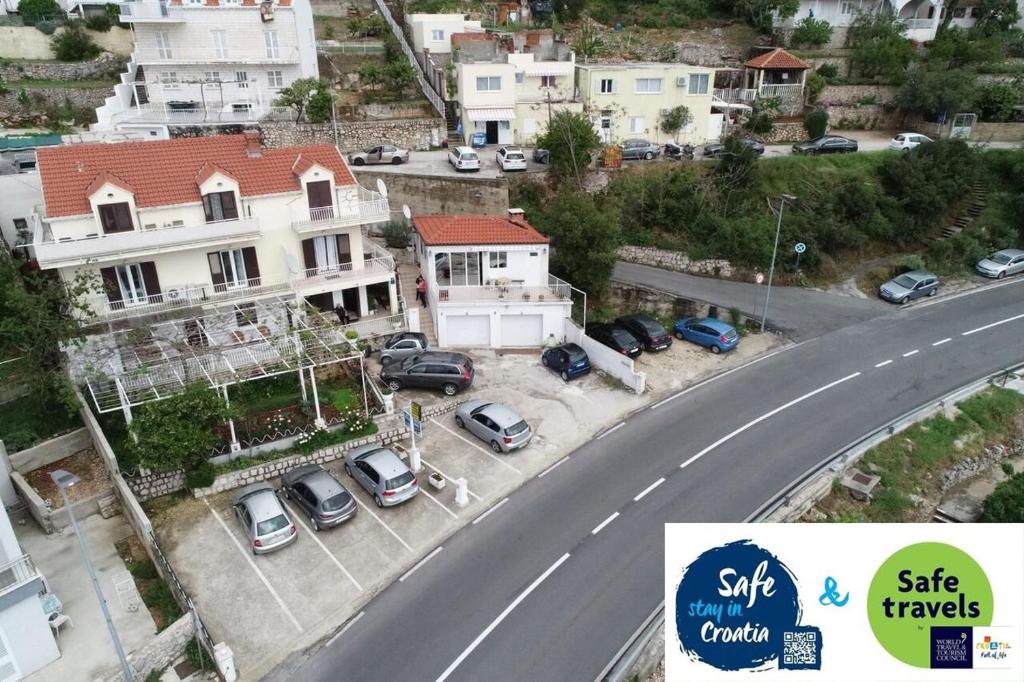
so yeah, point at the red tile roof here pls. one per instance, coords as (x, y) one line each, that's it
(453, 230)
(166, 172)
(776, 59)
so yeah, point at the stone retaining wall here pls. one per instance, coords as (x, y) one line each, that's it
(11, 111)
(28, 42)
(441, 193)
(673, 260)
(106, 66)
(785, 132)
(863, 117)
(853, 94)
(161, 651)
(665, 304)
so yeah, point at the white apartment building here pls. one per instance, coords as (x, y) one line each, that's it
(178, 227)
(202, 62)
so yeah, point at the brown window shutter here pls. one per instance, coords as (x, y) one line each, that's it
(110, 285)
(230, 207)
(309, 253)
(207, 208)
(252, 267)
(216, 270)
(344, 248)
(151, 281)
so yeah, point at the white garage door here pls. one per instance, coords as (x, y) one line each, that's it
(522, 330)
(469, 330)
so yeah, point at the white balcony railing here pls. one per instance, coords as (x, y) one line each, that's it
(149, 10)
(178, 56)
(167, 113)
(16, 573)
(371, 267)
(733, 95)
(785, 91)
(368, 207)
(917, 24)
(557, 291)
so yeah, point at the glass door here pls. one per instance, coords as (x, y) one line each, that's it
(131, 283)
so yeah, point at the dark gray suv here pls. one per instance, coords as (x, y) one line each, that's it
(319, 494)
(450, 372)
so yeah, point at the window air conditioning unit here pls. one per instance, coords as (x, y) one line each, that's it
(681, 81)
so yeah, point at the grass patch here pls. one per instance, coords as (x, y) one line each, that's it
(25, 422)
(156, 594)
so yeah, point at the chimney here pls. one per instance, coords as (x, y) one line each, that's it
(517, 215)
(253, 144)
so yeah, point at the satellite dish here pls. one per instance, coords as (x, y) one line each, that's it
(406, 212)
(382, 188)
(293, 263)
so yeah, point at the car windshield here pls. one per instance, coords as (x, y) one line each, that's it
(576, 354)
(272, 525)
(337, 502)
(516, 428)
(900, 138)
(469, 157)
(1000, 258)
(653, 328)
(905, 282)
(515, 157)
(410, 361)
(399, 481)
(623, 337)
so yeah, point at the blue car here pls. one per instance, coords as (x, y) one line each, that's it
(569, 360)
(707, 332)
(478, 141)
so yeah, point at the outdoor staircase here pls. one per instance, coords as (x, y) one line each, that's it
(976, 205)
(452, 119)
(407, 272)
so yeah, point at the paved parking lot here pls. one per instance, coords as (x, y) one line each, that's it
(266, 606)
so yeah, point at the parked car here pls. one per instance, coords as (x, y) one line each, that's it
(463, 158)
(451, 372)
(640, 149)
(716, 149)
(568, 359)
(319, 494)
(826, 144)
(1001, 263)
(264, 519)
(708, 332)
(510, 158)
(382, 153)
(907, 141)
(909, 285)
(615, 337)
(403, 345)
(495, 424)
(478, 140)
(541, 155)
(647, 331)
(382, 474)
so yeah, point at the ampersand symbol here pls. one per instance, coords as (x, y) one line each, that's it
(830, 597)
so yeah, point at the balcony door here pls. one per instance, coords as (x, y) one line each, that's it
(116, 218)
(234, 269)
(321, 204)
(330, 253)
(131, 284)
(220, 206)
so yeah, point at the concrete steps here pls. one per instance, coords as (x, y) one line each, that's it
(407, 273)
(977, 199)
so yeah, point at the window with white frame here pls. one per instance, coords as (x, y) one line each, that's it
(699, 83)
(163, 45)
(231, 2)
(229, 266)
(848, 7)
(607, 86)
(636, 124)
(498, 259)
(220, 44)
(547, 81)
(275, 79)
(196, 2)
(131, 283)
(271, 44)
(242, 79)
(488, 83)
(211, 76)
(648, 85)
(437, 35)
(169, 78)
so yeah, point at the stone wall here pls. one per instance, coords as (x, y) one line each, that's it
(14, 114)
(784, 132)
(441, 193)
(106, 66)
(28, 42)
(160, 651)
(665, 304)
(410, 133)
(673, 260)
(863, 117)
(853, 94)
(998, 132)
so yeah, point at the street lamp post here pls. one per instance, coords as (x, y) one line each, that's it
(775, 250)
(64, 480)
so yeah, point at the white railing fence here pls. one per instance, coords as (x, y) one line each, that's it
(426, 87)
(17, 572)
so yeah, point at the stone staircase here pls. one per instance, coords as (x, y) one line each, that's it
(976, 205)
(407, 273)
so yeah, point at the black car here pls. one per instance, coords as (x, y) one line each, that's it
(715, 150)
(647, 330)
(826, 144)
(319, 494)
(615, 337)
(541, 155)
(451, 372)
(569, 360)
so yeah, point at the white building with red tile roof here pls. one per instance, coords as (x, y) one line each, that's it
(488, 283)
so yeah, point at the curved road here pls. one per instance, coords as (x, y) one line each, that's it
(550, 585)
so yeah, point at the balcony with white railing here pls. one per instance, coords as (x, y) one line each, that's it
(16, 573)
(55, 252)
(359, 208)
(735, 95)
(194, 113)
(557, 291)
(784, 90)
(157, 11)
(212, 56)
(341, 273)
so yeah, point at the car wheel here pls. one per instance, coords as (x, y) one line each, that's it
(284, 491)
(564, 375)
(377, 501)
(348, 472)
(253, 553)
(679, 335)
(458, 422)
(394, 384)
(648, 156)
(933, 292)
(1001, 275)
(385, 360)
(397, 161)
(716, 350)
(903, 301)
(544, 360)
(495, 446)
(314, 524)
(450, 389)
(359, 162)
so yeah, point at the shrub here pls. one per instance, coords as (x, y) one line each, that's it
(98, 22)
(20, 440)
(351, 334)
(344, 399)
(908, 263)
(143, 570)
(34, 11)
(73, 44)
(811, 33)
(675, 120)
(329, 32)
(201, 475)
(1006, 503)
(816, 83)
(47, 27)
(397, 235)
(828, 71)
(816, 123)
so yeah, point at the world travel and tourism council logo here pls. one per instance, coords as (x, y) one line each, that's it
(925, 602)
(738, 608)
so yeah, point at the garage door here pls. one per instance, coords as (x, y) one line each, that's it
(469, 330)
(522, 330)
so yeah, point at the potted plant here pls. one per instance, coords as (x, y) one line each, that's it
(436, 481)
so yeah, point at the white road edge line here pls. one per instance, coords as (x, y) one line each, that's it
(502, 616)
(604, 523)
(420, 563)
(767, 415)
(994, 324)
(611, 430)
(468, 491)
(488, 512)
(381, 522)
(440, 504)
(259, 573)
(945, 340)
(648, 489)
(552, 467)
(486, 452)
(328, 552)
(883, 363)
(349, 624)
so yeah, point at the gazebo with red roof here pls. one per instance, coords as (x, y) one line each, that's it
(777, 73)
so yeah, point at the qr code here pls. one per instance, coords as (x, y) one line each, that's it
(801, 649)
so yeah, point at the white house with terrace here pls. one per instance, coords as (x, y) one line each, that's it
(488, 283)
(204, 62)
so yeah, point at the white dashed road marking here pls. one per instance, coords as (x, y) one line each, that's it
(648, 489)
(342, 631)
(883, 364)
(604, 523)
(994, 324)
(419, 564)
(553, 466)
(909, 353)
(942, 341)
(488, 512)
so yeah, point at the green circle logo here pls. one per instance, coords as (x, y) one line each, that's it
(920, 586)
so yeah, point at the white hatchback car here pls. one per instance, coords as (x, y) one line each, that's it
(907, 141)
(464, 158)
(511, 158)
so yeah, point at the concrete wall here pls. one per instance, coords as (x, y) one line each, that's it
(673, 260)
(28, 634)
(607, 360)
(21, 193)
(52, 520)
(28, 42)
(853, 94)
(441, 194)
(998, 132)
(161, 651)
(50, 451)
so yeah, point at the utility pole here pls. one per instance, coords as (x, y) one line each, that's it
(771, 271)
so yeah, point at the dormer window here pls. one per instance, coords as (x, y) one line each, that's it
(116, 217)
(220, 206)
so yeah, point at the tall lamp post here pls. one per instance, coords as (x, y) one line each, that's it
(64, 480)
(775, 250)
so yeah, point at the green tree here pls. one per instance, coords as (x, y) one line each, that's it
(300, 92)
(995, 17)
(933, 94)
(816, 123)
(1006, 503)
(998, 100)
(177, 432)
(572, 142)
(878, 47)
(73, 44)
(32, 11)
(372, 74)
(675, 119)
(811, 32)
(588, 43)
(584, 238)
(761, 13)
(318, 109)
(568, 10)
(816, 84)
(954, 48)
(399, 75)
(762, 112)
(736, 173)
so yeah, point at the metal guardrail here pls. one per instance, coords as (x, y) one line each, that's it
(427, 88)
(181, 596)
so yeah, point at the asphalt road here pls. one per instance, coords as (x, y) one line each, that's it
(803, 313)
(550, 585)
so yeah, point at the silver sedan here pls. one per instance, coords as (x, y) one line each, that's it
(495, 424)
(1001, 263)
(382, 153)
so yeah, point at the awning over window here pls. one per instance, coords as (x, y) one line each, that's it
(491, 114)
(543, 70)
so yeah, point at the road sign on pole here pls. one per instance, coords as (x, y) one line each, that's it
(800, 247)
(411, 423)
(417, 411)
(759, 278)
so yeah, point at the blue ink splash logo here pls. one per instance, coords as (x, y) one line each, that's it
(734, 606)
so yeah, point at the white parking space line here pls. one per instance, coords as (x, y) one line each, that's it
(909, 353)
(612, 430)
(259, 573)
(419, 564)
(648, 489)
(604, 523)
(553, 467)
(328, 552)
(883, 363)
(381, 522)
(994, 324)
(488, 512)
(438, 503)
(942, 341)
(502, 616)
(471, 493)
(767, 415)
(486, 452)
(342, 631)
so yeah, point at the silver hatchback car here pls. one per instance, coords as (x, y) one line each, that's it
(495, 424)
(315, 491)
(382, 474)
(1001, 263)
(909, 285)
(263, 518)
